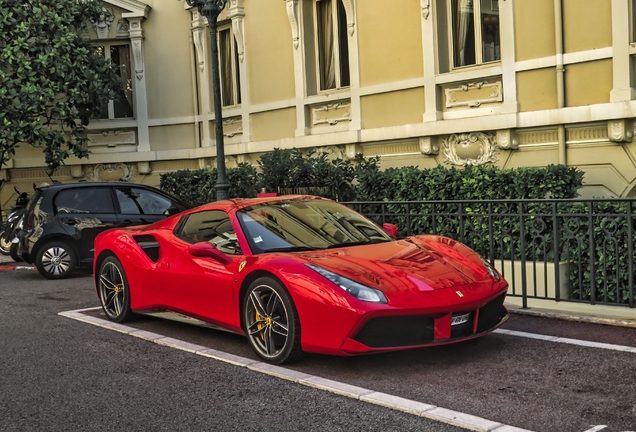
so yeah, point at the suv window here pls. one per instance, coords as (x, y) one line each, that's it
(140, 201)
(85, 200)
(210, 226)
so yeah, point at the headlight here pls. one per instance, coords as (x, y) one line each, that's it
(357, 290)
(491, 270)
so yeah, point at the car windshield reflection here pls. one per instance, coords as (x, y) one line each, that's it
(287, 226)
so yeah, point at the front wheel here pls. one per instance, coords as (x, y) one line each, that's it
(114, 291)
(56, 260)
(14, 252)
(5, 243)
(271, 322)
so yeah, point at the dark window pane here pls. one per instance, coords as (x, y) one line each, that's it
(491, 50)
(463, 21)
(120, 56)
(237, 72)
(326, 55)
(85, 200)
(225, 66)
(343, 44)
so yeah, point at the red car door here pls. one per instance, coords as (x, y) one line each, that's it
(202, 287)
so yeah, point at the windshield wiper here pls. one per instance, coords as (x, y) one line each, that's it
(358, 243)
(290, 249)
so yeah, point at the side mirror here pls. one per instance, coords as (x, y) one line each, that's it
(172, 210)
(391, 229)
(208, 250)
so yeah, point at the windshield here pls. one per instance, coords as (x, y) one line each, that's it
(306, 225)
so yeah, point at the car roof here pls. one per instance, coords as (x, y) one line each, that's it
(59, 186)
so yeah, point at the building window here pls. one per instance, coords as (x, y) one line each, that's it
(229, 68)
(122, 106)
(332, 44)
(474, 32)
(632, 12)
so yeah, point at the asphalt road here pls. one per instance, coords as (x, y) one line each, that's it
(60, 374)
(64, 374)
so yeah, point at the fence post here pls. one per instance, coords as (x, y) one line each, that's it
(630, 254)
(522, 250)
(592, 254)
(557, 251)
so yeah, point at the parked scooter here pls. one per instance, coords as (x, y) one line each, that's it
(8, 237)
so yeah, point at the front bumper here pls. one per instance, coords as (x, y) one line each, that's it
(388, 333)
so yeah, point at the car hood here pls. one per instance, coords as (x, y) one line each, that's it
(423, 263)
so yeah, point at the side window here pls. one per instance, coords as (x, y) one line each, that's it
(140, 201)
(85, 200)
(212, 226)
(474, 32)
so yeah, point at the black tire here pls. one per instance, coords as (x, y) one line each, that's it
(56, 260)
(5, 244)
(271, 322)
(114, 291)
(14, 252)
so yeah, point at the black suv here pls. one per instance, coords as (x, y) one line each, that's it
(63, 220)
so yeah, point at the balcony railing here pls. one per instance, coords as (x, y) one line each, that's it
(563, 250)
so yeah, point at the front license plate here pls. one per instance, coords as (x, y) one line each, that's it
(460, 319)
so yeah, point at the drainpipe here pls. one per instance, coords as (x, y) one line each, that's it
(560, 79)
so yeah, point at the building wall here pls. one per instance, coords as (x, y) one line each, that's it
(561, 93)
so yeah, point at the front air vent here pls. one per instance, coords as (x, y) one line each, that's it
(149, 245)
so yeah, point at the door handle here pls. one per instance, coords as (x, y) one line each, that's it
(165, 265)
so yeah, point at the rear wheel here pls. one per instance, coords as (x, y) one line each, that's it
(56, 260)
(114, 292)
(271, 322)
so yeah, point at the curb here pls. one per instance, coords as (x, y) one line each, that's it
(590, 319)
(17, 266)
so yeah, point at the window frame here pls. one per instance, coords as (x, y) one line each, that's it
(106, 44)
(478, 37)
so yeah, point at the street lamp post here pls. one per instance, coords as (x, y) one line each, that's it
(211, 9)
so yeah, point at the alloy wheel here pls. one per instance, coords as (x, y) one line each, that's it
(267, 322)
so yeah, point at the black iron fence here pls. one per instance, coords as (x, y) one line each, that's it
(564, 250)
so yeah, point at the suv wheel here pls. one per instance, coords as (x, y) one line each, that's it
(55, 260)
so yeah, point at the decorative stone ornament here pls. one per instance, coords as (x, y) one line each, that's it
(470, 149)
(102, 24)
(429, 146)
(292, 14)
(507, 139)
(111, 172)
(236, 13)
(426, 8)
(351, 150)
(348, 7)
(620, 131)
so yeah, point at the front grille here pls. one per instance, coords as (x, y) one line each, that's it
(491, 314)
(388, 332)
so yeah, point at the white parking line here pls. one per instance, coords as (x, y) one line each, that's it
(568, 341)
(432, 412)
(596, 428)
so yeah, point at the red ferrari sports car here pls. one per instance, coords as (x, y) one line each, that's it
(300, 274)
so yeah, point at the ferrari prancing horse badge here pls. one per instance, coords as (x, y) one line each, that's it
(242, 265)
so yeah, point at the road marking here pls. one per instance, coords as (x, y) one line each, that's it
(432, 412)
(568, 341)
(596, 428)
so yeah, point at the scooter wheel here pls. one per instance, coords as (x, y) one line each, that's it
(5, 245)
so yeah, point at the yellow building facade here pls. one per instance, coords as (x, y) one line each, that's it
(418, 82)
